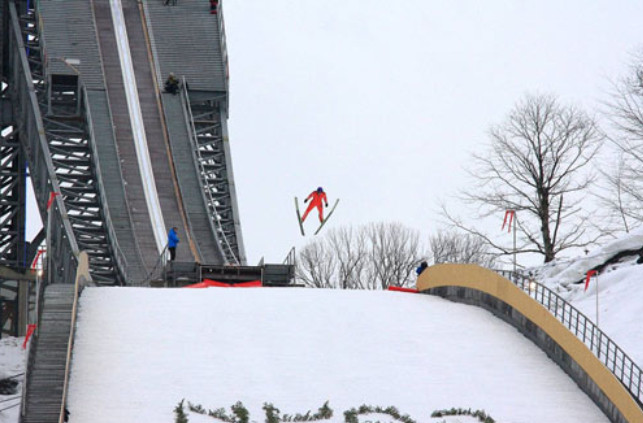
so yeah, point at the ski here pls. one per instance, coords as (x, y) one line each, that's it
(327, 217)
(301, 226)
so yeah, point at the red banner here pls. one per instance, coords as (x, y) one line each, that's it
(400, 289)
(589, 275)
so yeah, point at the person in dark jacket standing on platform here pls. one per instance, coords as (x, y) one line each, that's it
(172, 84)
(421, 268)
(172, 242)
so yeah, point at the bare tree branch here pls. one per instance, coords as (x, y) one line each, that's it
(375, 256)
(622, 190)
(455, 247)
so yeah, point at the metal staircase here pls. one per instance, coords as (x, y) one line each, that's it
(48, 357)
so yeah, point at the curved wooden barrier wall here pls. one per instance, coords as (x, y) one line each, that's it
(476, 285)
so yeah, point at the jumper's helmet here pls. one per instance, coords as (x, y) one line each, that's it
(320, 190)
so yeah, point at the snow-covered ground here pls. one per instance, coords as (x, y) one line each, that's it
(12, 363)
(139, 352)
(565, 272)
(619, 288)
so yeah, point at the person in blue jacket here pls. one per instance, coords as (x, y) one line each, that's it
(172, 242)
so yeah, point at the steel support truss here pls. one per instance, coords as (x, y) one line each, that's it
(13, 250)
(61, 100)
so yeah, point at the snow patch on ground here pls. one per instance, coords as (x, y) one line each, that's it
(12, 363)
(567, 272)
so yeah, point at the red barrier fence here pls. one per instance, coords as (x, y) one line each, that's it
(207, 283)
(400, 289)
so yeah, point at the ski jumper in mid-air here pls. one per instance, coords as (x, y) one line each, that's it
(316, 199)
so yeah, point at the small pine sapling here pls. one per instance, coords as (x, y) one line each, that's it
(181, 417)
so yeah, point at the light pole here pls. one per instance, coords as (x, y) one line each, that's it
(588, 276)
(513, 213)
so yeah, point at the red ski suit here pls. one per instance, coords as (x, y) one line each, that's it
(316, 201)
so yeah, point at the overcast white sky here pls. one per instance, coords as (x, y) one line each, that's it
(382, 102)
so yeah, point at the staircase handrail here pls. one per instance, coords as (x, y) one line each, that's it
(290, 259)
(30, 354)
(189, 120)
(81, 280)
(160, 262)
(602, 346)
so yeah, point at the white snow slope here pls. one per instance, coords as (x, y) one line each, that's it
(139, 351)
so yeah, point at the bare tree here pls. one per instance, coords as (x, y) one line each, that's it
(537, 164)
(375, 256)
(316, 266)
(624, 182)
(349, 249)
(456, 247)
(620, 209)
(395, 250)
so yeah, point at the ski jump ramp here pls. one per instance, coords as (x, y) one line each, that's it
(472, 284)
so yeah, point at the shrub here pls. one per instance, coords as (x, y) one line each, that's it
(479, 414)
(180, 413)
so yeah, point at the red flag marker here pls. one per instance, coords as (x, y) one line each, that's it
(590, 273)
(508, 214)
(35, 261)
(52, 195)
(30, 330)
